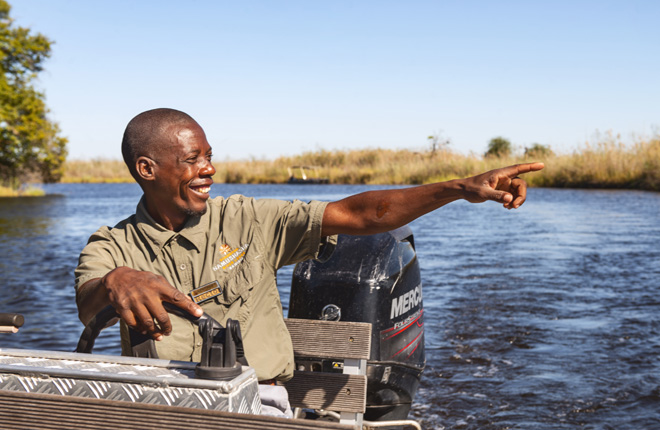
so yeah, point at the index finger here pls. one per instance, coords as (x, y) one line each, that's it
(519, 169)
(182, 301)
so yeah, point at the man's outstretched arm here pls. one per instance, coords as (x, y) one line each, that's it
(379, 211)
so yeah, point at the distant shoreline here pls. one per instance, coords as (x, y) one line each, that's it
(607, 164)
(29, 191)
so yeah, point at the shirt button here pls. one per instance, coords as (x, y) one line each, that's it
(182, 267)
(199, 343)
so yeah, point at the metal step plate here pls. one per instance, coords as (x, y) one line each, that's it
(138, 380)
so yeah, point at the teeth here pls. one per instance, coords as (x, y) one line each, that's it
(203, 189)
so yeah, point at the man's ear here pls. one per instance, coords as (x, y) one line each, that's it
(145, 168)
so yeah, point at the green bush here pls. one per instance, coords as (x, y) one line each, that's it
(498, 147)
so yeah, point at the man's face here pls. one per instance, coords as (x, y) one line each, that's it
(183, 175)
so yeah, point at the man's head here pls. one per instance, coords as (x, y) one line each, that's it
(167, 153)
(146, 132)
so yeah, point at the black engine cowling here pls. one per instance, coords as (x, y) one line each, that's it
(373, 279)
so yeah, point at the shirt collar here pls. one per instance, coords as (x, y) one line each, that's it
(158, 236)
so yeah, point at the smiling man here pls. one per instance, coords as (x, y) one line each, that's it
(179, 242)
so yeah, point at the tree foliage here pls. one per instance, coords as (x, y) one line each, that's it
(29, 142)
(498, 147)
(539, 151)
(438, 142)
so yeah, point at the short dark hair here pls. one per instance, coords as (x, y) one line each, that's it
(145, 131)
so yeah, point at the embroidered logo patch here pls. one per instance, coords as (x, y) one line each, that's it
(230, 258)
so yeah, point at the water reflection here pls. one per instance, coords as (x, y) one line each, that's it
(26, 216)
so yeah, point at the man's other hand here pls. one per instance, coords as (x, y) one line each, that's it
(137, 296)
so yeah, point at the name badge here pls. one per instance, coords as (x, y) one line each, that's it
(206, 292)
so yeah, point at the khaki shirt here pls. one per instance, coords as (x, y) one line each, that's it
(240, 242)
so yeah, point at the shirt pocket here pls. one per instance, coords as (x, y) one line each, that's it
(236, 299)
(238, 282)
(239, 272)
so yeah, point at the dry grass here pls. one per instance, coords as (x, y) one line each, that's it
(21, 192)
(606, 163)
(96, 170)
(367, 166)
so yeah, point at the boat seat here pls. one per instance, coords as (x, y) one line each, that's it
(311, 388)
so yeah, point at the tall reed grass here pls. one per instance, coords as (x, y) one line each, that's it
(96, 170)
(605, 163)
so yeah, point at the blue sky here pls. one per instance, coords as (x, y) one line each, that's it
(270, 78)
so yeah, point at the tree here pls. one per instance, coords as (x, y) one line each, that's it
(498, 147)
(438, 142)
(538, 151)
(29, 141)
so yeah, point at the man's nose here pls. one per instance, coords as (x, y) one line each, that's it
(207, 169)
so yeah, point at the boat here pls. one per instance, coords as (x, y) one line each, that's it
(356, 323)
(304, 178)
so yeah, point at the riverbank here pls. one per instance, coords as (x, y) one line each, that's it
(29, 191)
(608, 163)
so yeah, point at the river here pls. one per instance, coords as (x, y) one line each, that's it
(546, 317)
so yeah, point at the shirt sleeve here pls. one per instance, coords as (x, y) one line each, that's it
(292, 230)
(97, 258)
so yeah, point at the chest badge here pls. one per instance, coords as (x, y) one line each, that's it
(206, 292)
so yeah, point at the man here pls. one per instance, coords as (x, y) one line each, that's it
(179, 241)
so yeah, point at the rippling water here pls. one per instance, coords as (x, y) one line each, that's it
(547, 317)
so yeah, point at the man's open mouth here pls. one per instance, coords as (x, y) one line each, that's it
(202, 189)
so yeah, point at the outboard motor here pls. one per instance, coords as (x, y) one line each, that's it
(373, 279)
